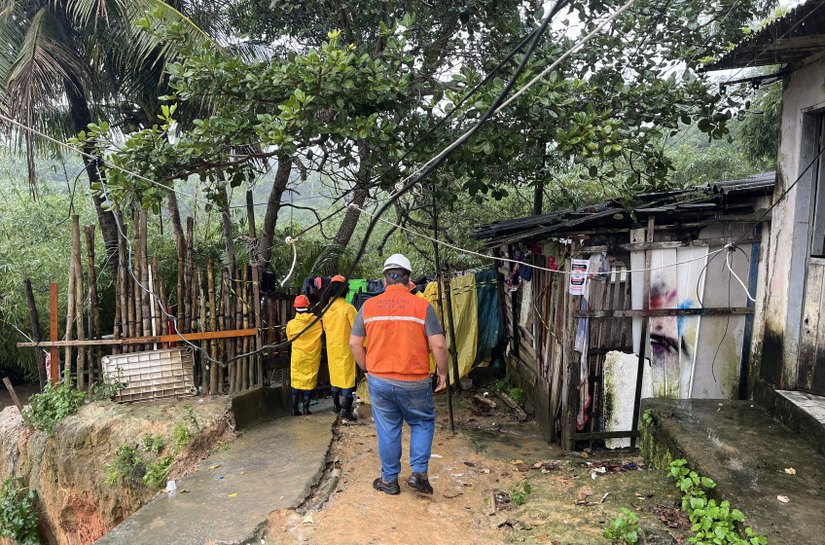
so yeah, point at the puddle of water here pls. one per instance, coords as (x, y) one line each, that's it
(511, 443)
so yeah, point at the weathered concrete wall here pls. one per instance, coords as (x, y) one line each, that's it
(777, 339)
(68, 469)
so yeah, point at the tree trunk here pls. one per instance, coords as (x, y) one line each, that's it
(81, 117)
(273, 206)
(34, 318)
(327, 262)
(174, 214)
(228, 236)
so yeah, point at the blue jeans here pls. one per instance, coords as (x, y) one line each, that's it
(396, 402)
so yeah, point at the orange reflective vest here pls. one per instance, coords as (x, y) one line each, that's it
(397, 346)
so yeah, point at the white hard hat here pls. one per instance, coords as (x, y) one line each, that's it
(397, 261)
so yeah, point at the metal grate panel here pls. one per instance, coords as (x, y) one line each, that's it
(152, 374)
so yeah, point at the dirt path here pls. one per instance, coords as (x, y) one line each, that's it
(466, 479)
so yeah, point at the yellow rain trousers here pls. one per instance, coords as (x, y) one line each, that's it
(306, 351)
(338, 322)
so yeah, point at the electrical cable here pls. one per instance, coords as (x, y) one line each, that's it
(730, 248)
(500, 102)
(94, 158)
(432, 165)
(521, 263)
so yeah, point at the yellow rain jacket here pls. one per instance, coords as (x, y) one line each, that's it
(306, 351)
(338, 321)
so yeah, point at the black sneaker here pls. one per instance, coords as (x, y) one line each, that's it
(390, 488)
(420, 483)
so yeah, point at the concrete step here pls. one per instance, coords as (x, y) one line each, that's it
(746, 452)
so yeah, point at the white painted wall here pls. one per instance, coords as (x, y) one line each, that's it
(787, 252)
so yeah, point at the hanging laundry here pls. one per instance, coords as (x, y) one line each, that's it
(465, 320)
(355, 285)
(490, 330)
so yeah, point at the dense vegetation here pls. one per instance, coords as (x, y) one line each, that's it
(311, 105)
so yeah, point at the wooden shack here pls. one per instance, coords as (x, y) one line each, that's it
(660, 304)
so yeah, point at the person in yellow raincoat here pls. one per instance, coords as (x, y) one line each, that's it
(306, 354)
(338, 320)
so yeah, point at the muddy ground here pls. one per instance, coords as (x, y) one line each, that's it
(569, 499)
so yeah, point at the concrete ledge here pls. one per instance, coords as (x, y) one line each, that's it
(746, 452)
(257, 405)
(803, 413)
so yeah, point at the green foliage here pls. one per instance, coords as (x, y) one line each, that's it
(127, 465)
(624, 528)
(55, 403)
(157, 472)
(144, 465)
(517, 395)
(647, 417)
(193, 420)
(758, 133)
(18, 513)
(153, 443)
(519, 492)
(181, 435)
(712, 523)
(107, 390)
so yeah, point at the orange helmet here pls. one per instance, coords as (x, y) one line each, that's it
(302, 301)
(339, 278)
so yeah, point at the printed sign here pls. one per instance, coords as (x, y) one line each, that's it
(578, 276)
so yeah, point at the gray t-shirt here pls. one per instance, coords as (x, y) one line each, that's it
(432, 326)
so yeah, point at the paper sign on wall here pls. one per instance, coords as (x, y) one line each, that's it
(578, 276)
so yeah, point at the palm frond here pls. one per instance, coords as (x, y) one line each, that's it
(40, 72)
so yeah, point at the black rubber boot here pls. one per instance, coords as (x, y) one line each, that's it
(296, 399)
(307, 399)
(336, 401)
(346, 410)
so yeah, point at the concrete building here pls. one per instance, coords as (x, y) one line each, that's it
(789, 333)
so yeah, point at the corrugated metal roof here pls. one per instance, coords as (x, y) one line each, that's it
(798, 34)
(695, 203)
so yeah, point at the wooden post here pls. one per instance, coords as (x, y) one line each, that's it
(137, 274)
(637, 398)
(70, 302)
(34, 318)
(206, 364)
(54, 354)
(247, 345)
(12, 393)
(570, 375)
(240, 306)
(222, 349)
(189, 288)
(451, 325)
(180, 311)
(213, 326)
(439, 291)
(256, 287)
(94, 309)
(77, 271)
(228, 310)
(146, 294)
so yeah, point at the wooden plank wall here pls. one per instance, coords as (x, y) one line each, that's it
(606, 334)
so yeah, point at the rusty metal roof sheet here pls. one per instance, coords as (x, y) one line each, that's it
(798, 34)
(728, 198)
